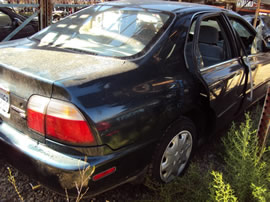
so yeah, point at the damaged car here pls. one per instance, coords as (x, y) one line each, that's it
(125, 88)
(262, 26)
(10, 20)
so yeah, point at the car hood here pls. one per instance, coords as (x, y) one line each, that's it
(55, 64)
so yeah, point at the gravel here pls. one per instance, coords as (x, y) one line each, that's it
(8, 193)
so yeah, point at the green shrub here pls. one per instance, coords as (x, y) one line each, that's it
(243, 165)
(246, 167)
(262, 193)
(259, 193)
(219, 191)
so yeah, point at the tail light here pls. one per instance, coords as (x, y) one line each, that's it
(59, 120)
(36, 113)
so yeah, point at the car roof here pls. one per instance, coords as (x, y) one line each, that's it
(169, 6)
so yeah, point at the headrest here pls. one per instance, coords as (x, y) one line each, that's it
(208, 35)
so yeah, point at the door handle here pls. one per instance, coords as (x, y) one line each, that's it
(247, 63)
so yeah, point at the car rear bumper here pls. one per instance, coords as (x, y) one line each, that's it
(60, 171)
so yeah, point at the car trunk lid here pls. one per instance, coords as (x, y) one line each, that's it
(53, 63)
(29, 69)
(16, 86)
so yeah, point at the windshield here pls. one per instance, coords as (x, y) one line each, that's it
(107, 30)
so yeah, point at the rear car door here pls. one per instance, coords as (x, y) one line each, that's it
(212, 54)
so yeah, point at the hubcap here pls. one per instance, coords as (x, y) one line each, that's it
(175, 156)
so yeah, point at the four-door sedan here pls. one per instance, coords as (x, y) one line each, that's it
(10, 20)
(127, 88)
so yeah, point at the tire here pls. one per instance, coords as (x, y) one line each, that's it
(174, 150)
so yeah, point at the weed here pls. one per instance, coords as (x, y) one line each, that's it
(193, 186)
(219, 191)
(12, 180)
(84, 176)
(243, 166)
(260, 193)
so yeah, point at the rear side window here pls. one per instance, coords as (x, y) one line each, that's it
(213, 46)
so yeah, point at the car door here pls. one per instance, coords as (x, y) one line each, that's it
(252, 53)
(5, 25)
(212, 55)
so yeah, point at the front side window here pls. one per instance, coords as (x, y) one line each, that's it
(250, 41)
(4, 20)
(107, 30)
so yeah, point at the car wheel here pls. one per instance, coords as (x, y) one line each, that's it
(174, 151)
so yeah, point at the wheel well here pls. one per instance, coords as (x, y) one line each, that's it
(204, 120)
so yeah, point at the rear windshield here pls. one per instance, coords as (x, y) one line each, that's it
(107, 30)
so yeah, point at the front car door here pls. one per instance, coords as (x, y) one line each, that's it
(252, 53)
(212, 53)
